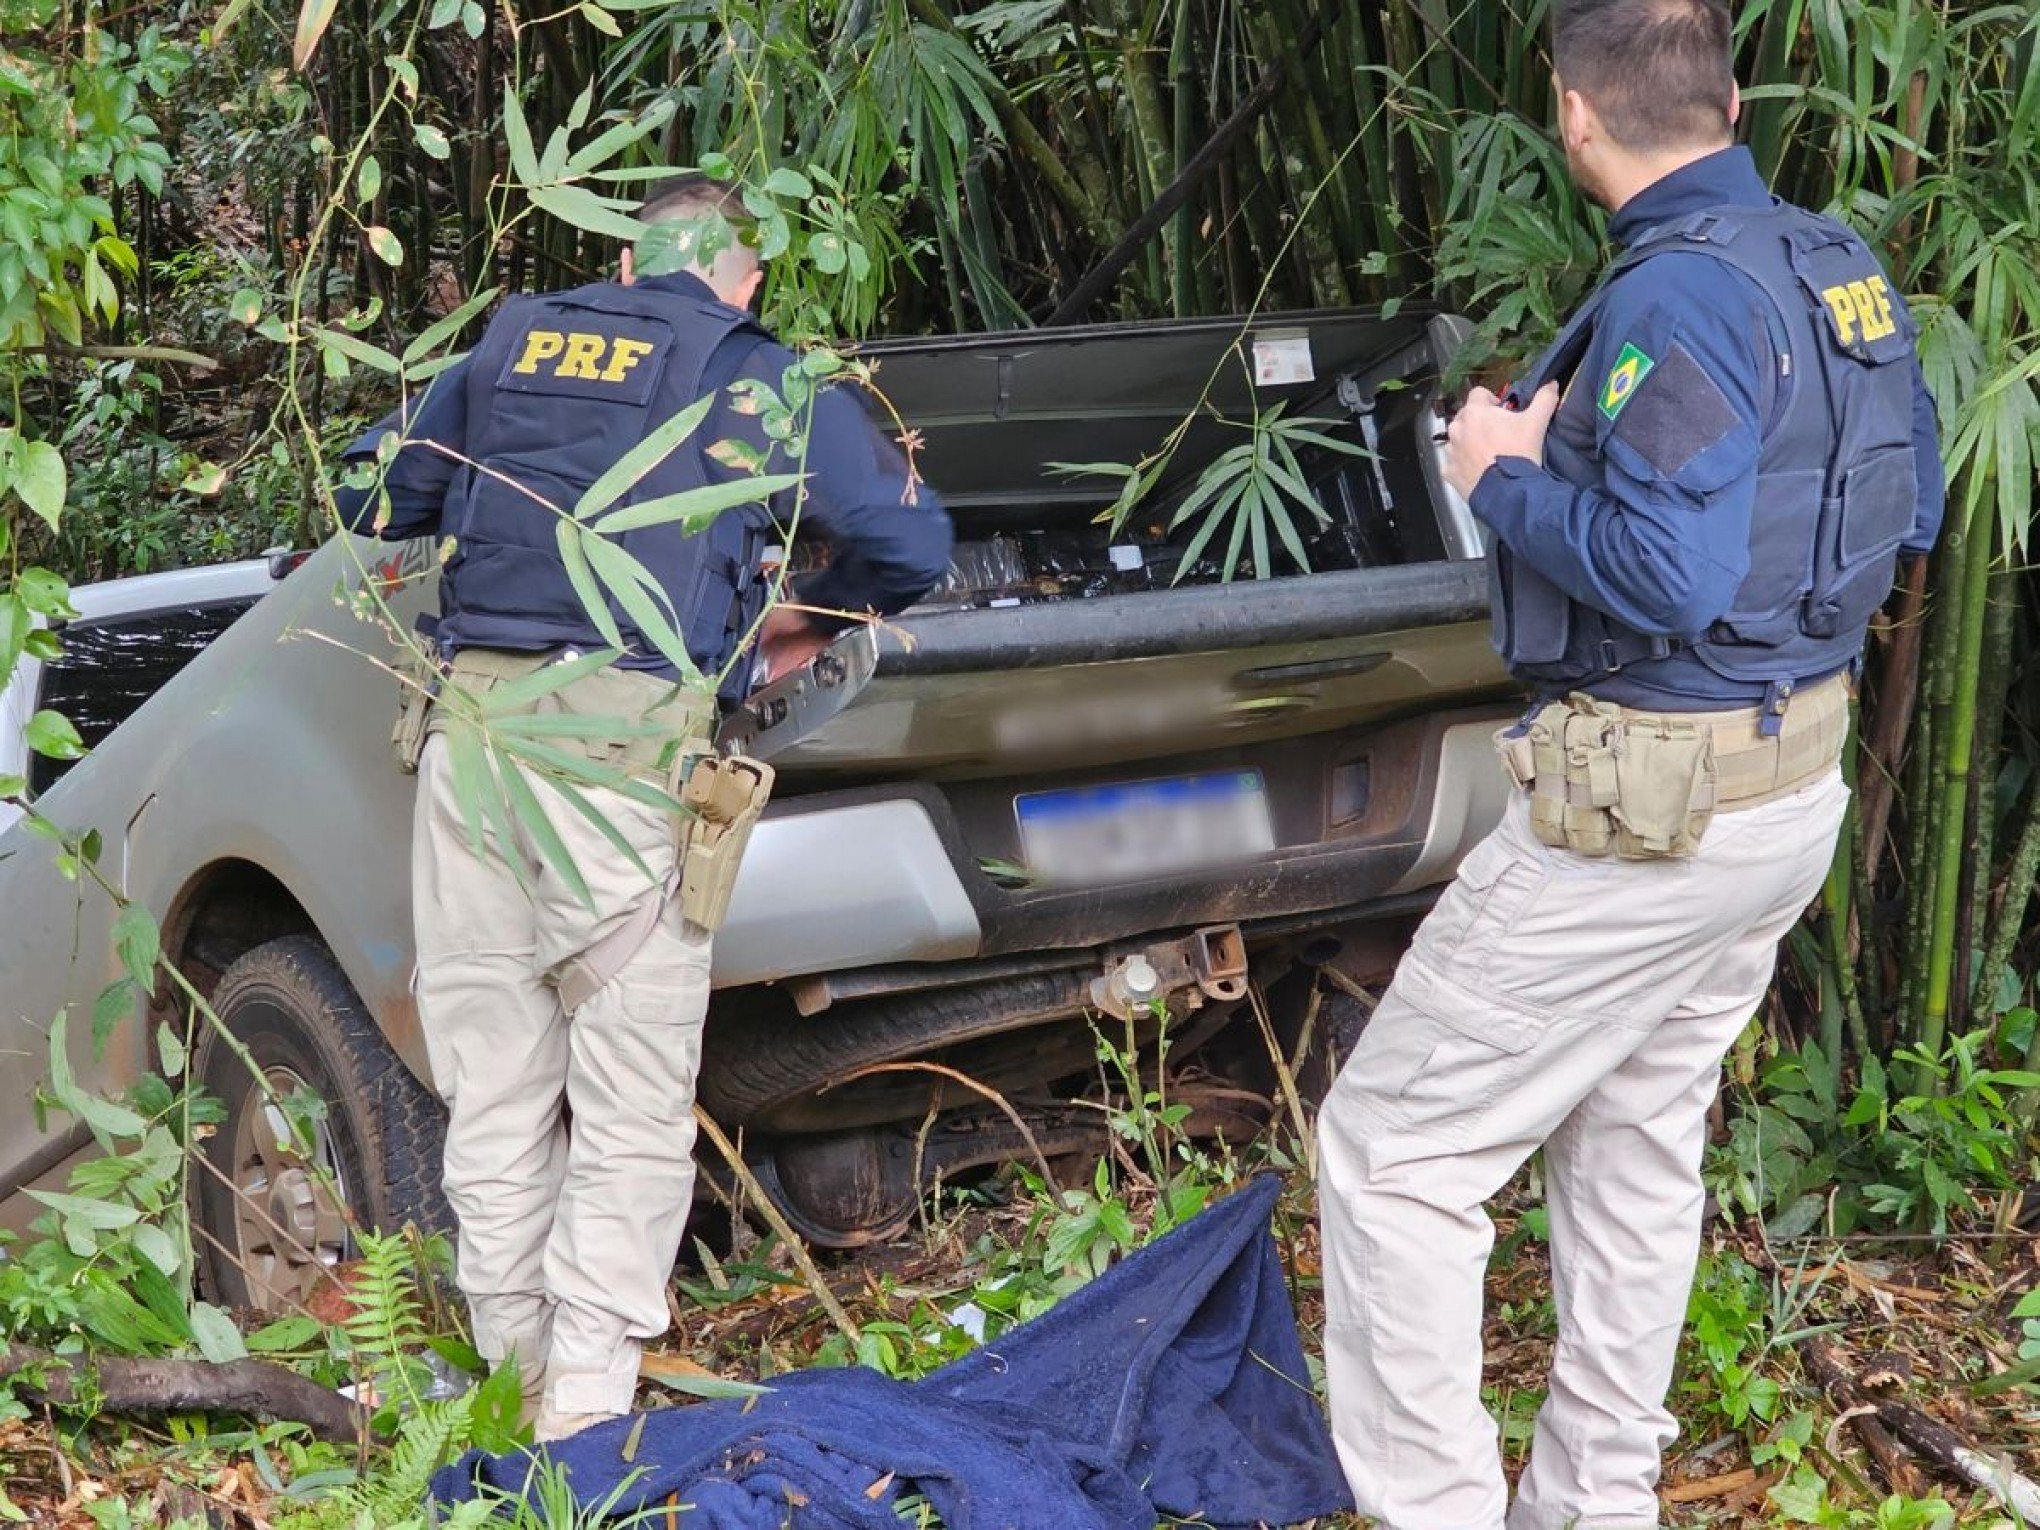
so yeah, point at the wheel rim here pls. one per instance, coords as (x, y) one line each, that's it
(290, 1230)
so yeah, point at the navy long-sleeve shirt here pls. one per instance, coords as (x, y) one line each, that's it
(1666, 555)
(888, 536)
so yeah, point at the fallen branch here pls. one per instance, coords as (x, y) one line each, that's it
(258, 1389)
(1860, 1410)
(1955, 1455)
(1936, 1443)
(802, 1259)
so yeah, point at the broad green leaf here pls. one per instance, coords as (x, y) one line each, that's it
(115, 1003)
(313, 19)
(368, 183)
(389, 249)
(245, 307)
(828, 254)
(788, 182)
(580, 208)
(468, 765)
(605, 145)
(493, 1415)
(431, 139)
(286, 1334)
(100, 1216)
(136, 938)
(600, 19)
(205, 480)
(443, 14)
(156, 1246)
(217, 1337)
(39, 479)
(170, 1047)
(625, 473)
(694, 509)
(51, 735)
(44, 593)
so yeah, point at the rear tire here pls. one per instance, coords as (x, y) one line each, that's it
(273, 1237)
(773, 1069)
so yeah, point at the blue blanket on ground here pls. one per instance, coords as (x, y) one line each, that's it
(1173, 1384)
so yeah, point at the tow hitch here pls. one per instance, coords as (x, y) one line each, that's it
(1177, 976)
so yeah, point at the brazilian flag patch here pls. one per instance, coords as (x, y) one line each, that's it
(1624, 378)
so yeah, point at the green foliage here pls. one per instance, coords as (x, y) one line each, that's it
(1805, 1157)
(1805, 1498)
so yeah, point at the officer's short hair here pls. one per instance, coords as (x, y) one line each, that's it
(690, 197)
(1660, 72)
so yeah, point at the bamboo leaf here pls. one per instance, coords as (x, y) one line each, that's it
(517, 134)
(695, 509)
(506, 700)
(643, 601)
(442, 330)
(468, 766)
(314, 16)
(538, 827)
(579, 802)
(573, 554)
(580, 208)
(631, 468)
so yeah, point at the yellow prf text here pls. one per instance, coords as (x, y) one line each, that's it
(1862, 310)
(598, 358)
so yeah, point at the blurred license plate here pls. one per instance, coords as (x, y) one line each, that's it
(1134, 829)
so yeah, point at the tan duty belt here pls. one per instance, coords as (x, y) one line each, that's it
(1605, 779)
(1751, 769)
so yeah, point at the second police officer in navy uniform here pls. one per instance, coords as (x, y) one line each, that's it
(537, 1002)
(1696, 500)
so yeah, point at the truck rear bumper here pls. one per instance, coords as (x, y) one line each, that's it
(891, 874)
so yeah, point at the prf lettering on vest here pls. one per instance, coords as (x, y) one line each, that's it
(1862, 310)
(597, 358)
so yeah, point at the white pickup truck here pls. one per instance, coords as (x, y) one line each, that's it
(1085, 772)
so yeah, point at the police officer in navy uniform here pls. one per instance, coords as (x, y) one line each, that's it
(538, 1002)
(1696, 501)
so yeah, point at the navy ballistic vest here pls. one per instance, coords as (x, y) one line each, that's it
(1837, 486)
(559, 388)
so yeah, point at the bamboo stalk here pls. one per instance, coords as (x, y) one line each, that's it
(1954, 782)
(1993, 688)
(2010, 920)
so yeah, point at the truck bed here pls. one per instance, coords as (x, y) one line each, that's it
(1107, 647)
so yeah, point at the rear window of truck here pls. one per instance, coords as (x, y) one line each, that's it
(109, 668)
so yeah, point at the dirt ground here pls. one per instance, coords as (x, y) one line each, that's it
(1924, 1322)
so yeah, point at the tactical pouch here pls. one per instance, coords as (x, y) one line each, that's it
(1664, 798)
(1601, 782)
(419, 693)
(724, 796)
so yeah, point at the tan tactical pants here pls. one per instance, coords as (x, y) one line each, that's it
(567, 1237)
(1583, 1006)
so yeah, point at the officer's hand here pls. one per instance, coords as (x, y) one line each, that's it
(788, 639)
(1483, 430)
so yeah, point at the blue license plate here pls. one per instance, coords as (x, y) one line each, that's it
(1131, 830)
